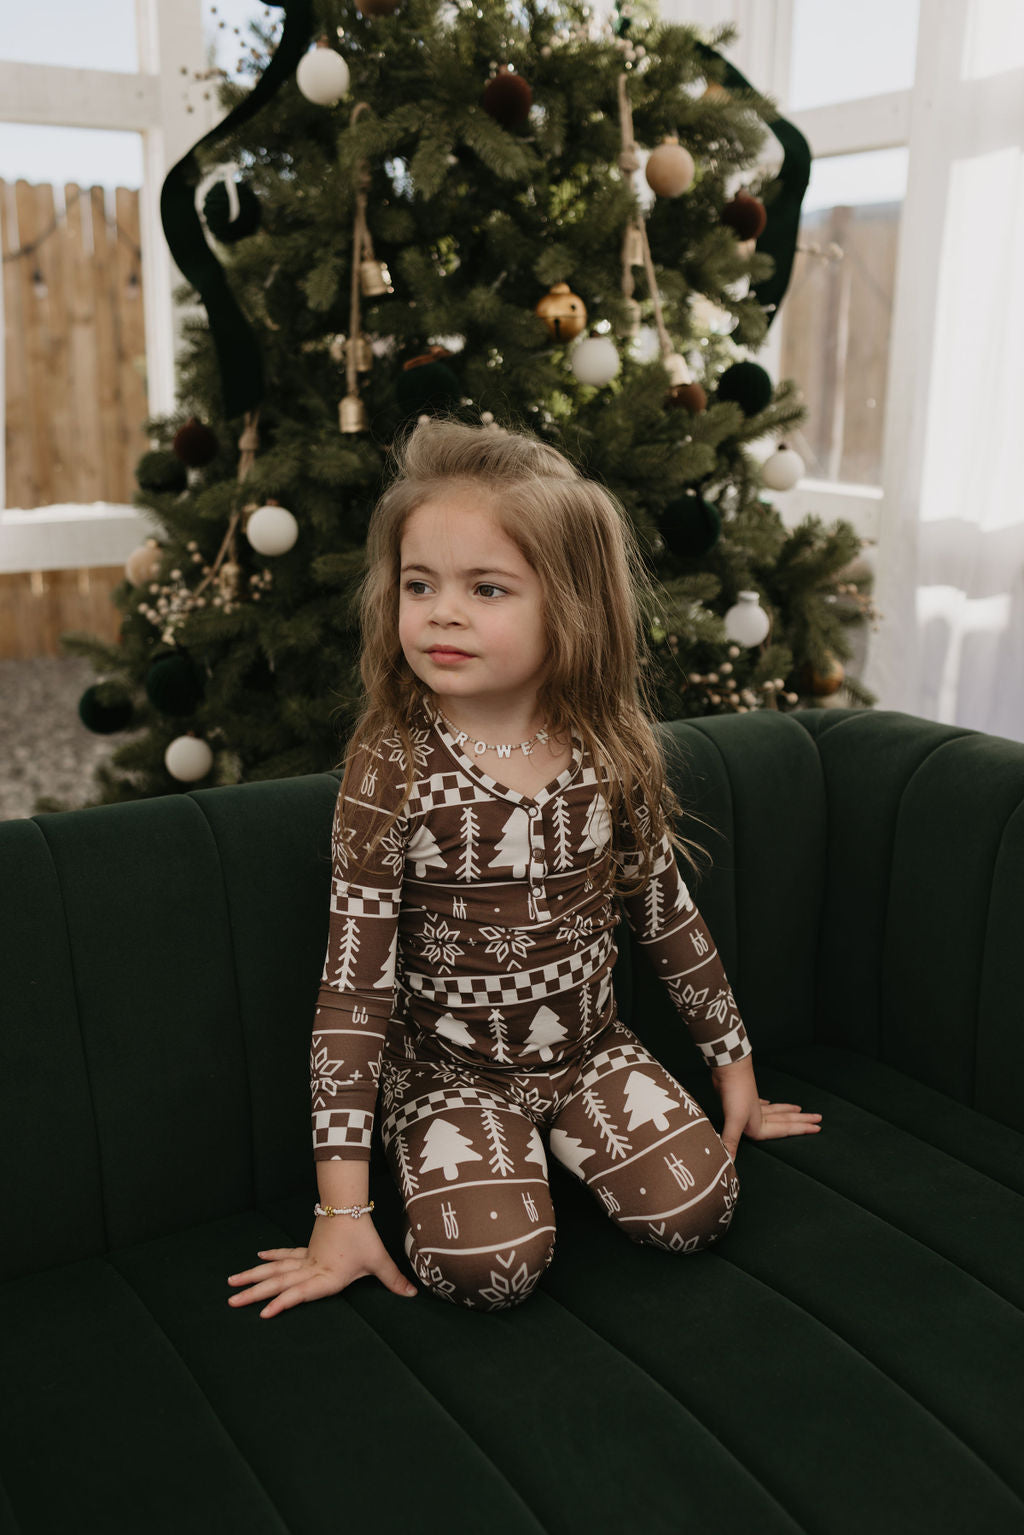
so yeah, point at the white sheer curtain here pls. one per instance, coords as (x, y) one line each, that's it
(950, 560)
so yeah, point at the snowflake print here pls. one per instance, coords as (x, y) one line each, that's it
(504, 943)
(722, 1004)
(434, 1276)
(439, 944)
(504, 1289)
(325, 1071)
(577, 930)
(528, 1098)
(676, 1243)
(420, 750)
(396, 1085)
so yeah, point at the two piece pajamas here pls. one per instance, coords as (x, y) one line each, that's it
(467, 987)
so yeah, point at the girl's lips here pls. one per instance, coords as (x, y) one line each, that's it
(442, 654)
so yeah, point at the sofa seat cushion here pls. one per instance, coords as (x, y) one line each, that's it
(859, 1330)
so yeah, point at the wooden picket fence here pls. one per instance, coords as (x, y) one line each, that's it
(75, 343)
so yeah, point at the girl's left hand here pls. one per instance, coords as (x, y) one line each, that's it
(747, 1114)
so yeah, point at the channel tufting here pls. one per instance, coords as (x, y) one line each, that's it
(849, 1358)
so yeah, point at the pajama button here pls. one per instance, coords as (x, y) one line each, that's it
(534, 810)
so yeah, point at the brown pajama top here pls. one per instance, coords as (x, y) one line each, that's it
(485, 920)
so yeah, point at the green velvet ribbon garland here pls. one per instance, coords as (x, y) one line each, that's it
(779, 237)
(238, 352)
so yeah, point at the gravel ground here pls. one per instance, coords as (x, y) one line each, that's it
(44, 747)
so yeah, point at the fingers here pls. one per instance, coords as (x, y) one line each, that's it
(392, 1277)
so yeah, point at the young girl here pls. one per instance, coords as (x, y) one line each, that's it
(504, 781)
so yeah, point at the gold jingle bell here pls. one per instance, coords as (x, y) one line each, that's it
(229, 578)
(563, 312)
(374, 278)
(352, 414)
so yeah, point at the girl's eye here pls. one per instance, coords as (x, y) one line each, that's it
(482, 586)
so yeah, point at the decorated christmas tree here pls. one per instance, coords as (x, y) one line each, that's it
(519, 215)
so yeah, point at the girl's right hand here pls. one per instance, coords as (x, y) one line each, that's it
(331, 1261)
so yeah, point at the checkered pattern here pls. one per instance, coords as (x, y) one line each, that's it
(444, 789)
(507, 990)
(612, 1059)
(370, 905)
(731, 1047)
(342, 1129)
(445, 1100)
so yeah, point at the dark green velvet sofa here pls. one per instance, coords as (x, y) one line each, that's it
(850, 1359)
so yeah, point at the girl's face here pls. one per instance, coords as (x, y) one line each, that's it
(465, 585)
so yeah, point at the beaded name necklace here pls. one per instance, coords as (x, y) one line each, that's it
(504, 750)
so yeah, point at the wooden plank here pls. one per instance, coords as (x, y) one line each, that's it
(132, 333)
(107, 392)
(16, 435)
(82, 348)
(55, 382)
(37, 607)
(39, 447)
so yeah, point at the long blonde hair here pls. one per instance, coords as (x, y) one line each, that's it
(597, 596)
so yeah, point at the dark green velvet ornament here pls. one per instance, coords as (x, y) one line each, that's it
(748, 386)
(175, 684)
(429, 386)
(217, 210)
(690, 525)
(161, 472)
(105, 708)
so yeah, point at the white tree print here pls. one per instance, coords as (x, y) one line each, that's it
(423, 852)
(513, 849)
(647, 1100)
(536, 1151)
(546, 1030)
(410, 1183)
(497, 1019)
(453, 1029)
(387, 969)
(562, 827)
(500, 1161)
(570, 1152)
(445, 1146)
(597, 828)
(654, 907)
(345, 956)
(597, 1113)
(468, 868)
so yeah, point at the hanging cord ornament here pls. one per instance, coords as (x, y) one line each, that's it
(634, 240)
(372, 278)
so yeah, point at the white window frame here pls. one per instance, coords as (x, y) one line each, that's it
(155, 103)
(762, 52)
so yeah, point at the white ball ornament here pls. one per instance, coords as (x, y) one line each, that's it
(783, 469)
(595, 360)
(143, 563)
(670, 168)
(188, 759)
(746, 621)
(271, 530)
(322, 76)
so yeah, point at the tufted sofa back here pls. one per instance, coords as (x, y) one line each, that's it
(159, 960)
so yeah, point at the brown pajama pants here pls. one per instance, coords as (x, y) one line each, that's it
(464, 1147)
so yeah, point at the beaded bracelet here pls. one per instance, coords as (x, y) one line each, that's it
(354, 1210)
